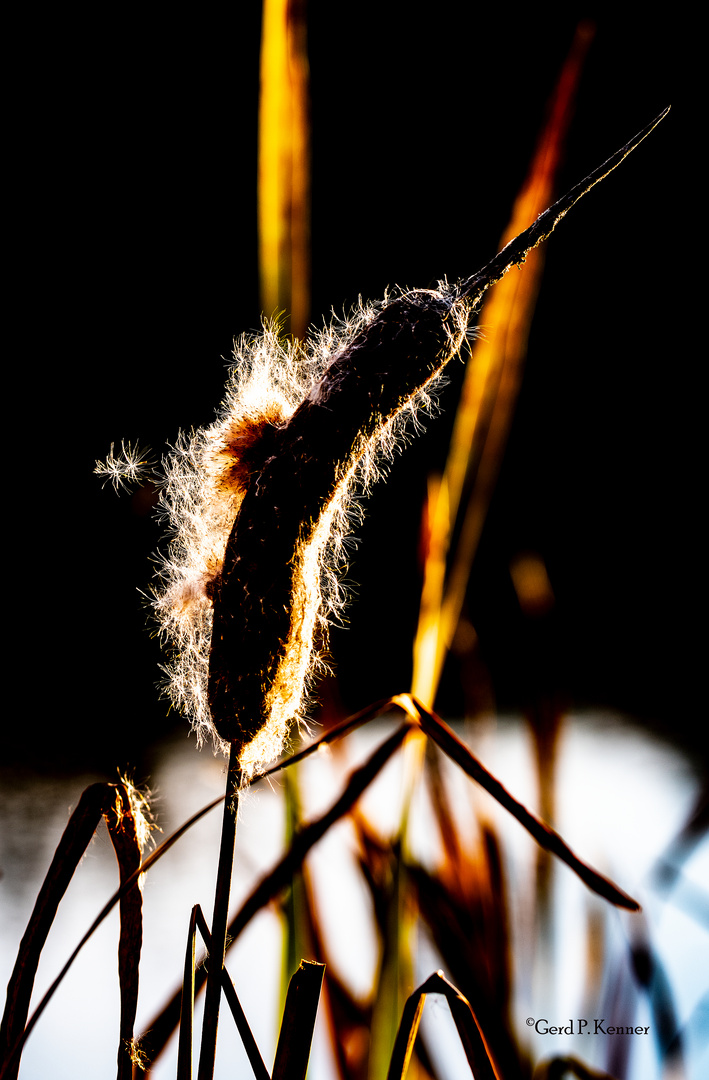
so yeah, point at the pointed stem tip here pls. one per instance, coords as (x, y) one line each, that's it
(516, 251)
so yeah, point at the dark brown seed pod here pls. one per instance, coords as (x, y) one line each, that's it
(256, 504)
(267, 598)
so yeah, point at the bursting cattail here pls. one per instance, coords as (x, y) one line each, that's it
(267, 597)
(257, 503)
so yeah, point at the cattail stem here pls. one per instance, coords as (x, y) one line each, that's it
(517, 250)
(221, 917)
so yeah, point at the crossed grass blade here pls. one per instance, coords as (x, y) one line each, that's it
(275, 882)
(473, 1041)
(184, 1053)
(359, 780)
(545, 836)
(279, 878)
(74, 841)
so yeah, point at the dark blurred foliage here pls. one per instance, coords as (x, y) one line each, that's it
(133, 266)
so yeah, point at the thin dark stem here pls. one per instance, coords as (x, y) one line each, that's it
(220, 919)
(516, 251)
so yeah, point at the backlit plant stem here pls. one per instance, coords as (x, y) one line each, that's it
(221, 917)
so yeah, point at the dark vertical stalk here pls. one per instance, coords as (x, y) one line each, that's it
(221, 916)
(184, 1052)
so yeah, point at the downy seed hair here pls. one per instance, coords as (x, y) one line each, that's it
(257, 504)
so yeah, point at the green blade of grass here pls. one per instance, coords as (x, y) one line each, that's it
(406, 1036)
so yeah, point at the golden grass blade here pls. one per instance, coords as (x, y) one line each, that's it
(488, 395)
(283, 166)
(406, 1036)
(471, 1037)
(467, 920)
(298, 1024)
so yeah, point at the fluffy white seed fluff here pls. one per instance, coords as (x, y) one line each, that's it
(203, 482)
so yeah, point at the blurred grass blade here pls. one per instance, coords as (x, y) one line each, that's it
(295, 906)
(542, 833)
(471, 1037)
(395, 977)
(112, 802)
(650, 973)
(492, 380)
(161, 1028)
(560, 1067)
(346, 1019)
(283, 164)
(468, 922)
(296, 1035)
(406, 1036)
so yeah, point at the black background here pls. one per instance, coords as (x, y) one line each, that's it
(133, 265)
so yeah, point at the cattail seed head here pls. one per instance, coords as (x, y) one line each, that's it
(269, 610)
(257, 506)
